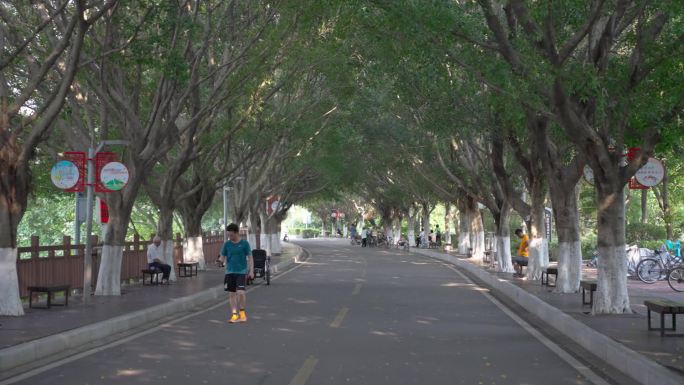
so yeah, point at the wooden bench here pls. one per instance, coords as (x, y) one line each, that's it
(50, 290)
(591, 286)
(194, 269)
(549, 271)
(154, 276)
(663, 307)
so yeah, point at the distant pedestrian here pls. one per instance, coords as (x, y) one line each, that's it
(521, 258)
(239, 268)
(155, 261)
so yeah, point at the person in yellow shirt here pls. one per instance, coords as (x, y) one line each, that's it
(520, 259)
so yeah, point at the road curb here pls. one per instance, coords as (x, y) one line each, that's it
(28, 352)
(628, 361)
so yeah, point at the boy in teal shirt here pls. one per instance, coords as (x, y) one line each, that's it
(237, 255)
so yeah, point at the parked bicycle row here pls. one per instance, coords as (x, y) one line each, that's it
(650, 266)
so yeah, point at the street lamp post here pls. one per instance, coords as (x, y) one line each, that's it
(90, 192)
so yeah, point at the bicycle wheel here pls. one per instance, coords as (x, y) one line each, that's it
(676, 279)
(649, 270)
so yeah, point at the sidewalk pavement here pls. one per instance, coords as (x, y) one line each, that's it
(22, 334)
(635, 344)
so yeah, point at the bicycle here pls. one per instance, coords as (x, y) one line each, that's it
(631, 264)
(675, 278)
(651, 270)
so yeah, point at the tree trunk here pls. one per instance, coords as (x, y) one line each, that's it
(463, 227)
(276, 245)
(446, 236)
(538, 248)
(411, 231)
(611, 292)
(253, 232)
(165, 232)
(11, 211)
(193, 246)
(426, 219)
(503, 240)
(566, 214)
(477, 230)
(10, 301)
(109, 275)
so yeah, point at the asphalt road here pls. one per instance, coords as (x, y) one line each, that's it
(346, 316)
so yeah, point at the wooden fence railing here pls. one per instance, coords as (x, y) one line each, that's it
(63, 264)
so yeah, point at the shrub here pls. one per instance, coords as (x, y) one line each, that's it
(640, 233)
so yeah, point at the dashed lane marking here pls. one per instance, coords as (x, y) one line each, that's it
(340, 317)
(357, 289)
(305, 371)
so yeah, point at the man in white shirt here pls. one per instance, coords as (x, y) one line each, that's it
(154, 260)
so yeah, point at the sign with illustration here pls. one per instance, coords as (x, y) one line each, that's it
(114, 176)
(650, 174)
(65, 174)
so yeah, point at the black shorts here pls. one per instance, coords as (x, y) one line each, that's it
(234, 282)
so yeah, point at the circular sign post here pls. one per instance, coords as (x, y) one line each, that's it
(651, 174)
(114, 176)
(64, 174)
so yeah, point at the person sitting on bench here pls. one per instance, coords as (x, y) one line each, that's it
(523, 252)
(154, 259)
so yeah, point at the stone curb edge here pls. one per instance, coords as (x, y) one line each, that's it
(17, 355)
(631, 363)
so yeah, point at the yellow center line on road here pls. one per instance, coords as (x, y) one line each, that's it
(357, 289)
(340, 317)
(305, 371)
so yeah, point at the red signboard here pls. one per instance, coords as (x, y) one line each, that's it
(633, 184)
(104, 212)
(101, 159)
(79, 159)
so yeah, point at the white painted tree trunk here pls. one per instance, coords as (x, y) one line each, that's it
(411, 232)
(10, 300)
(611, 289)
(388, 232)
(276, 246)
(463, 232)
(503, 254)
(167, 256)
(109, 275)
(611, 296)
(396, 231)
(477, 243)
(536, 261)
(193, 251)
(251, 238)
(570, 263)
(478, 246)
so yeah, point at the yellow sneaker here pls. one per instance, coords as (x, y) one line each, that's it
(234, 318)
(243, 316)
